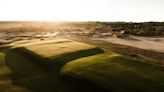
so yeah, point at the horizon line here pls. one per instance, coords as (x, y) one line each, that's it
(73, 21)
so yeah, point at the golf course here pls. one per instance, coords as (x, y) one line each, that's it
(64, 65)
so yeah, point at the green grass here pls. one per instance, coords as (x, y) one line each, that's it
(27, 74)
(36, 41)
(52, 48)
(6, 83)
(82, 68)
(116, 73)
(27, 62)
(53, 54)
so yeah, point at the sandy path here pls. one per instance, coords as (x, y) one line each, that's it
(155, 44)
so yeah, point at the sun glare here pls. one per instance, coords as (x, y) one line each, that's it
(81, 10)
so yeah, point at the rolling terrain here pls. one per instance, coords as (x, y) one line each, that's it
(41, 65)
(81, 57)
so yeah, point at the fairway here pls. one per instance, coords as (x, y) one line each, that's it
(63, 65)
(51, 54)
(38, 62)
(116, 73)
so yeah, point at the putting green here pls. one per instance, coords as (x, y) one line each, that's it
(116, 73)
(53, 53)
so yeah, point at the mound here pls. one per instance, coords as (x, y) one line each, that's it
(28, 60)
(116, 73)
(51, 54)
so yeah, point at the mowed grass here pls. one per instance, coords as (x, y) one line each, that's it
(36, 41)
(27, 61)
(55, 48)
(6, 83)
(26, 73)
(116, 73)
(52, 54)
(82, 68)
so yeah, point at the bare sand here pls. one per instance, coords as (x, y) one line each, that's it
(147, 43)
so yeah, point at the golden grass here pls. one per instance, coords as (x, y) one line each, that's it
(117, 73)
(53, 52)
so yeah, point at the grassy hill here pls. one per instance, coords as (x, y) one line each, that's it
(62, 65)
(116, 73)
(35, 64)
(52, 54)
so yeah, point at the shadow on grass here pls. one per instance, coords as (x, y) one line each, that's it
(37, 75)
(56, 62)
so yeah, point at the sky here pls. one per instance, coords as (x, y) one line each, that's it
(82, 10)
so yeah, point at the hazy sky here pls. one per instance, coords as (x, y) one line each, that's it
(82, 10)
